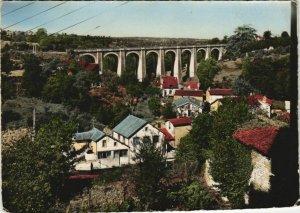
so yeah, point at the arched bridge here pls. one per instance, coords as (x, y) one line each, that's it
(121, 53)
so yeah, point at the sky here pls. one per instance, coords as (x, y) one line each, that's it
(181, 19)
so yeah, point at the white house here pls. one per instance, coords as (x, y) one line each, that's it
(187, 107)
(133, 131)
(168, 85)
(101, 151)
(264, 103)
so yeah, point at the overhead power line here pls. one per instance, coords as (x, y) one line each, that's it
(66, 14)
(87, 19)
(35, 15)
(18, 8)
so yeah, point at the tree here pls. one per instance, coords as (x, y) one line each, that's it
(150, 170)
(110, 80)
(274, 71)
(230, 160)
(8, 89)
(285, 34)
(32, 81)
(267, 35)
(38, 168)
(242, 35)
(6, 63)
(168, 111)
(154, 106)
(206, 72)
(59, 88)
(242, 87)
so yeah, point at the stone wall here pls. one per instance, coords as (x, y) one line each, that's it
(260, 176)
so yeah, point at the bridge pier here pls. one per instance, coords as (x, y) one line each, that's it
(142, 65)
(193, 62)
(177, 64)
(160, 67)
(121, 62)
(99, 58)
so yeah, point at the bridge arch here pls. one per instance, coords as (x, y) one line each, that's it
(152, 51)
(132, 63)
(90, 55)
(111, 61)
(133, 52)
(186, 56)
(111, 53)
(152, 64)
(169, 61)
(201, 53)
(215, 53)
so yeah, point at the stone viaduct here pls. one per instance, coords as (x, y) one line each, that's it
(121, 53)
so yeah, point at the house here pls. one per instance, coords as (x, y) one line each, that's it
(214, 94)
(187, 107)
(133, 131)
(170, 154)
(189, 93)
(100, 149)
(214, 106)
(178, 128)
(264, 103)
(274, 162)
(191, 85)
(168, 85)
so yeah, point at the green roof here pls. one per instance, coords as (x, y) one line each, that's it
(93, 135)
(186, 100)
(129, 126)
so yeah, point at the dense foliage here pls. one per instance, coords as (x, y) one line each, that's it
(206, 72)
(194, 146)
(154, 106)
(33, 172)
(192, 197)
(242, 87)
(150, 170)
(8, 89)
(33, 80)
(270, 76)
(168, 111)
(230, 160)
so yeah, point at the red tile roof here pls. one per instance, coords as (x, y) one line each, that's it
(180, 121)
(220, 91)
(189, 93)
(169, 82)
(260, 139)
(192, 85)
(168, 136)
(90, 67)
(263, 99)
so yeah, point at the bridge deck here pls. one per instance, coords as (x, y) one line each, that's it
(149, 48)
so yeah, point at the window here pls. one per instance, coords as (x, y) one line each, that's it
(146, 139)
(104, 143)
(116, 154)
(170, 92)
(104, 154)
(124, 153)
(155, 138)
(146, 129)
(136, 141)
(115, 143)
